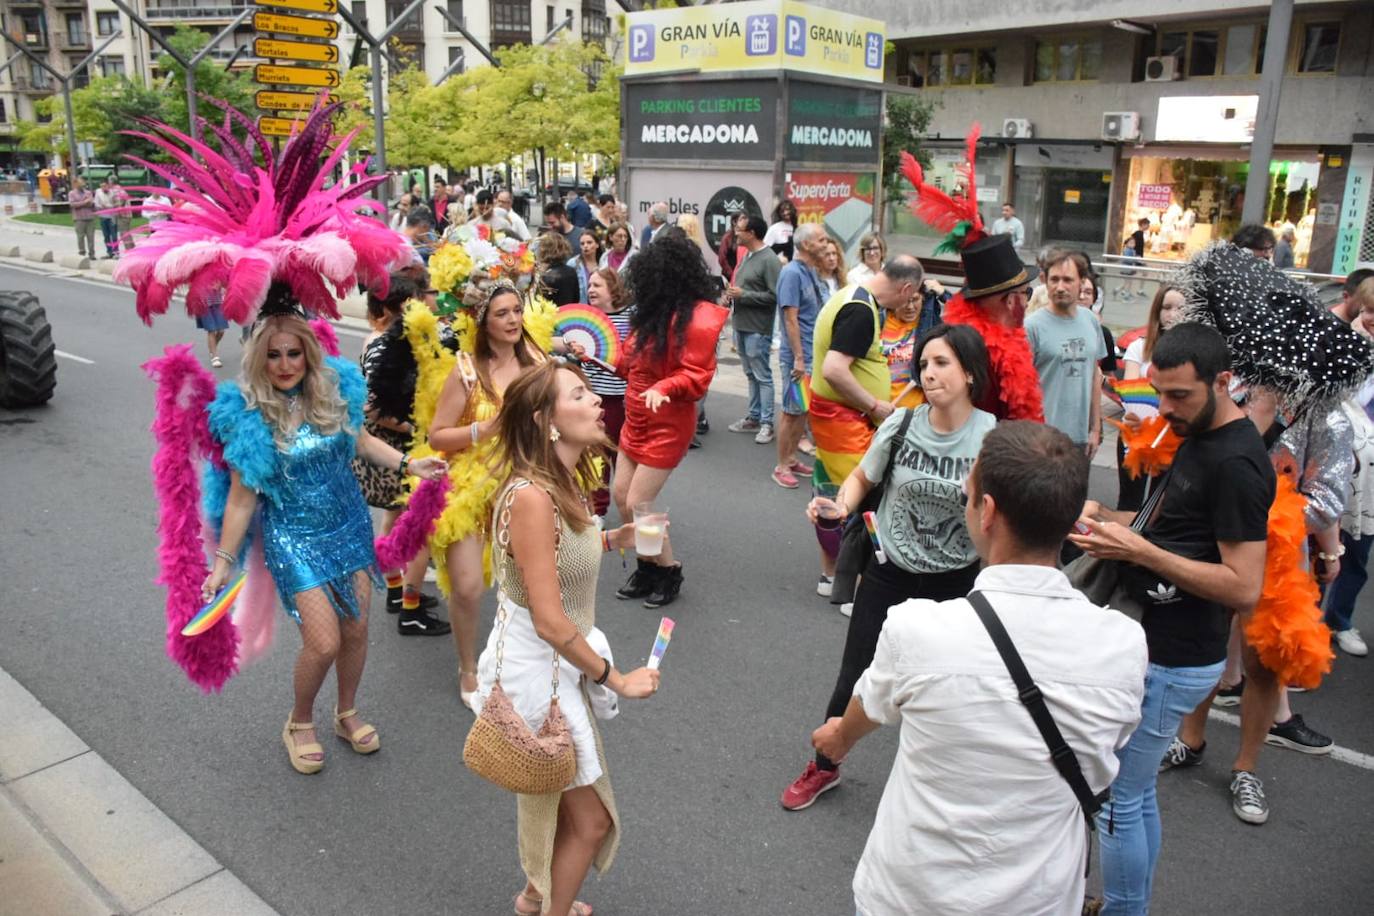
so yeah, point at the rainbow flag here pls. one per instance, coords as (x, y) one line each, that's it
(1136, 392)
(796, 397)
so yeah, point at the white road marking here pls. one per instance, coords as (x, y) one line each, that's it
(72, 356)
(1343, 754)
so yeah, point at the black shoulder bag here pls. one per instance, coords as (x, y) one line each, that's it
(1034, 701)
(856, 547)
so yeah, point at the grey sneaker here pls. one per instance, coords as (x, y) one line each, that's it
(744, 425)
(1247, 797)
(1181, 755)
(765, 434)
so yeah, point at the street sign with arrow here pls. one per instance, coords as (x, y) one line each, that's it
(301, 26)
(305, 6)
(279, 127)
(268, 100)
(275, 75)
(276, 49)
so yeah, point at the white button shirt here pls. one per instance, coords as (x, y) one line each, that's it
(974, 817)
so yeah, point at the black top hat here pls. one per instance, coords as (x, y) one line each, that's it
(991, 265)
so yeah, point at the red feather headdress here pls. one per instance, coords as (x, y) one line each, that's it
(954, 214)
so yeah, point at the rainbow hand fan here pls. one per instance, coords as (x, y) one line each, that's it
(590, 328)
(1137, 392)
(216, 609)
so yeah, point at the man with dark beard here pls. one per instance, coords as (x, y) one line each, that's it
(1201, 554)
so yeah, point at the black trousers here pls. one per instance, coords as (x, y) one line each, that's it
(882, 586)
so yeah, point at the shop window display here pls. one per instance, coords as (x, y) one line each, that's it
(1192, 202)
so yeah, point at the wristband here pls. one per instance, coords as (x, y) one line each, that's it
(601, 681)
(405, 463)
(605, 542)
(225, 555)
(473, 432)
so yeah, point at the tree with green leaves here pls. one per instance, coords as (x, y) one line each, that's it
(908, 119)
(102, 110)
(235, 87)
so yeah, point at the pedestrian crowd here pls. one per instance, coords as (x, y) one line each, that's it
(947, 437)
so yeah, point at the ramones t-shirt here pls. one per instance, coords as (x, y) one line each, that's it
(921, 517)
(1220, 489)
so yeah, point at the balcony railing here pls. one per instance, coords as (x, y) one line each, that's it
(68, 42)
(35, 40)
(60, 3)
(25, 84)
(222, 9)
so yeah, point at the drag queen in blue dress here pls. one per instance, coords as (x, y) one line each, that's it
(289, 428)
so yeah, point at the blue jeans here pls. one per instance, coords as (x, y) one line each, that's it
(1128, 825)
(1341, 594)
(107, 231)
(755, 354)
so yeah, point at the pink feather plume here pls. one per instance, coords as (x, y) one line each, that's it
(326, 335)
(182, 433)
(416, 523)
(255, 612)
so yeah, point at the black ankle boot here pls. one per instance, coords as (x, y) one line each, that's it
(667, 587)
(642, 581)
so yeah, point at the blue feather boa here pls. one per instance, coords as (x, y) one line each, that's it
(248, 444)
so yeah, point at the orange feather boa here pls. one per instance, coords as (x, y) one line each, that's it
(1286, 627)
(1014, 389)
(1147, 451)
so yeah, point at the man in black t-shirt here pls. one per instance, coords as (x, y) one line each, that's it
(1201, 555)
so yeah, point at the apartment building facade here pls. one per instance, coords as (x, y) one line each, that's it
(63, 32)
(1096, 113)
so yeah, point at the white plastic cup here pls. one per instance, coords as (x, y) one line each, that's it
(651, 523)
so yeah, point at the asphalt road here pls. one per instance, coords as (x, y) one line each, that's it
(697, 770)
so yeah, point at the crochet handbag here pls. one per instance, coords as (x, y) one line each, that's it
(501, 747)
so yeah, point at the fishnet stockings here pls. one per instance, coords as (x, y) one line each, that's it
(327, 639)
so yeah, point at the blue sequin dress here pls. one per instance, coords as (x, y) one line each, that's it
(318, 533)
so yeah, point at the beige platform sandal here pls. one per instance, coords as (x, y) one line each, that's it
(355, 739)
(299, 763)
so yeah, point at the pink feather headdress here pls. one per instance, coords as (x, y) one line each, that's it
(954, 214)
(243, 221)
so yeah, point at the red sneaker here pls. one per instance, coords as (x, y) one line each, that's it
(809, 786)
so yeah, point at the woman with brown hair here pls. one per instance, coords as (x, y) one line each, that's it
(557, 279)
(619, 247)
(545, 556)
(606, 292)
(463, 430)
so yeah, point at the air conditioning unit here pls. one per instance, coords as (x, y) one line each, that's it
(1018, 128)
(904, 81)
(1163, 69)
(1121, 125)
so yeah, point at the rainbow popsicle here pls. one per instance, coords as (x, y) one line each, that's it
(665, 633)
(216, 609)
(871, 523)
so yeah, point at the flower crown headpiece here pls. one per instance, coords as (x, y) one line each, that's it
(245, 222)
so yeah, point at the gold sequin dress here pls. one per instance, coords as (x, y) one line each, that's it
(526, 677)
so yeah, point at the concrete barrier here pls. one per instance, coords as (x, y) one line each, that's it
(41, 255)
(9, 251)
(105, 266)
(74, 261)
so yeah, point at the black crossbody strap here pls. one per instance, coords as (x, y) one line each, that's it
(1063, 756)
(896, 443)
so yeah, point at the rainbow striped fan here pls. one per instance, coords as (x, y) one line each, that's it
(590, 328)
(1137, 392)
(213, 612)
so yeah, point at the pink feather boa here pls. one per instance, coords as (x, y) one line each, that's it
(184, 387)
(415, 525)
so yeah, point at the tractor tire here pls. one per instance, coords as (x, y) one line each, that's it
(28, 360)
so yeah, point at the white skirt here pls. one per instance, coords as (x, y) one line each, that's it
(527, 677)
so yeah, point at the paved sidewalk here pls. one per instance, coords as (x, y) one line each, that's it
(76, 839)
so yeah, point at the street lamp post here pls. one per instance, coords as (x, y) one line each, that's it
(188, 63)
(1267, 117)
(64, 79)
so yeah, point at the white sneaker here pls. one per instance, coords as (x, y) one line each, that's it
(1351, 642)
(825, 585)
(765, 434)
(847, 609)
